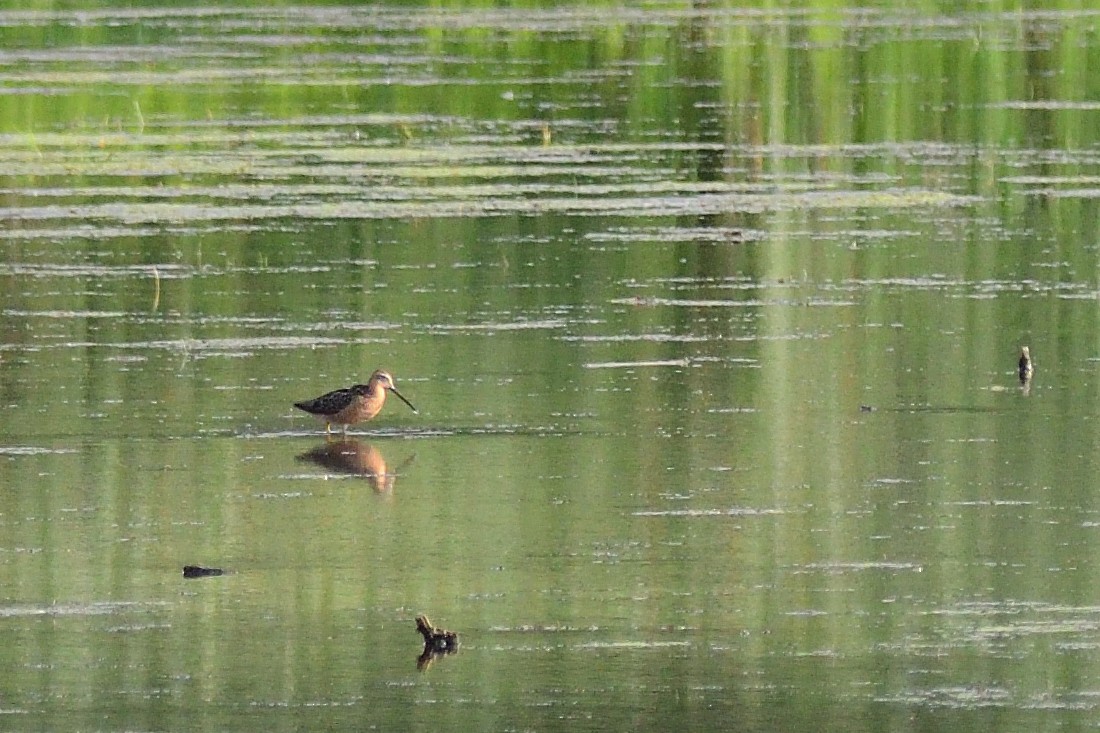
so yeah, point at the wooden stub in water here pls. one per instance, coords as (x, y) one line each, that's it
(1027, 369)
(437, 642)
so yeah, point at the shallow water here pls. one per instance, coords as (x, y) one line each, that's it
(711, 317)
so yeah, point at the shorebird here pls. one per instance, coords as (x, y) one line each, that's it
(355, 404)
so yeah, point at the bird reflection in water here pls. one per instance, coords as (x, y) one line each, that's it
(352, 457)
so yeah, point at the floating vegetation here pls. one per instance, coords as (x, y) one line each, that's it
(734, 512)
(249, 177)
(32, 450)
(498, 326)
(82, 609)
(637, 364)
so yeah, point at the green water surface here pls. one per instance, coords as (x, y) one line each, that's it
(710, 313)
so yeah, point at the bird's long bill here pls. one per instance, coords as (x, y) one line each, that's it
(394, 390)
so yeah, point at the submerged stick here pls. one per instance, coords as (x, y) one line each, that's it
(156, 288)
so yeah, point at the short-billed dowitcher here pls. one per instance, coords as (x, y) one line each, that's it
(354, 404)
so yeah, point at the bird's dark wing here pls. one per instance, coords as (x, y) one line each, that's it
(329, 403)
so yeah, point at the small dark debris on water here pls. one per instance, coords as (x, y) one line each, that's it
(197, 571)
(437, 642)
